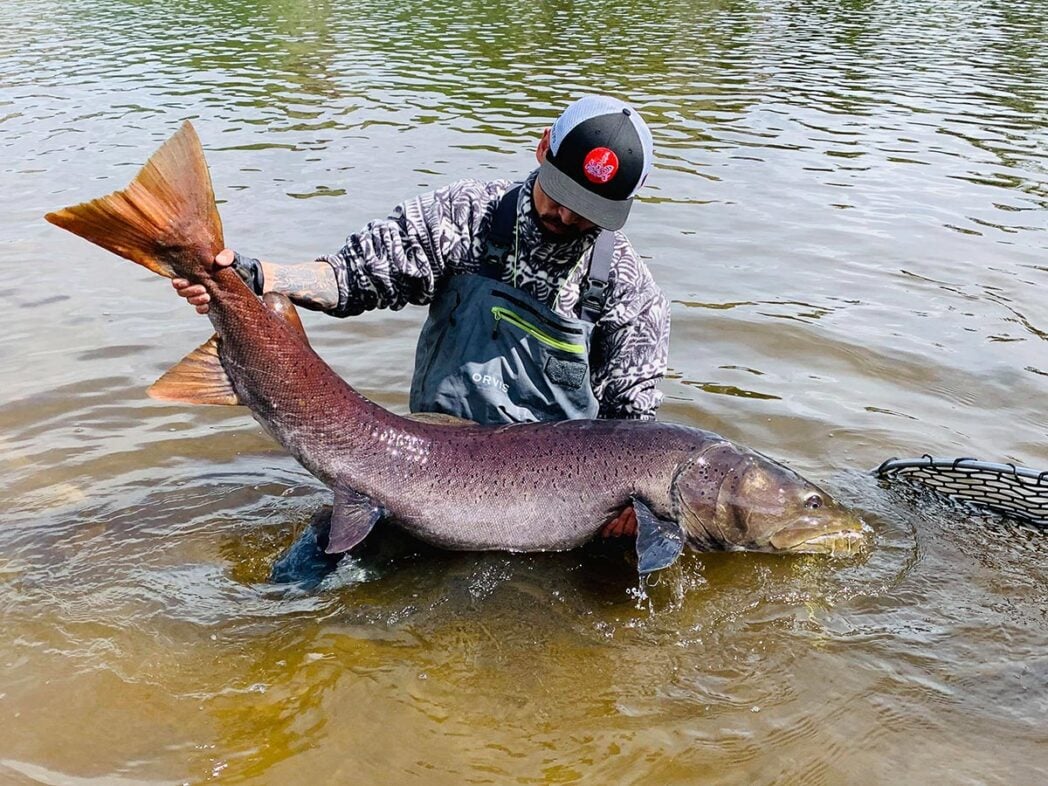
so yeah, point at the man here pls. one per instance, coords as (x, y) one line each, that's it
(539, 307)
(531, 318)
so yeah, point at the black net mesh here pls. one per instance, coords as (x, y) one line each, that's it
(1006, 488)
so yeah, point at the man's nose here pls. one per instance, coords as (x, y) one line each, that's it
(568, 217)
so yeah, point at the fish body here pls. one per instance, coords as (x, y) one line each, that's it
(525, 487)
(522, 487)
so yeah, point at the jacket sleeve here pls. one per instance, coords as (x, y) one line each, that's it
(630, 341)
(403, 259)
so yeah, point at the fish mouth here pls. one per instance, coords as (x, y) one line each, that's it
(846, 542)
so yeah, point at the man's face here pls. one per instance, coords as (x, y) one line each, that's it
(556, 219)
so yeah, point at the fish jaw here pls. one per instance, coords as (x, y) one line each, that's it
(847, 536)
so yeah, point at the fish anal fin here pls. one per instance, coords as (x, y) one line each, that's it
(352, 518)
(305, 562)
(659, 542)
(199, 378)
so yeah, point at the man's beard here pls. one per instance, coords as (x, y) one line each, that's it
(559, 230)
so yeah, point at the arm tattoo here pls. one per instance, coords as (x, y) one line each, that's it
(310, 284)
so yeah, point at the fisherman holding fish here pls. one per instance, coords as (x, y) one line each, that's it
(529, 487)
(539, 308)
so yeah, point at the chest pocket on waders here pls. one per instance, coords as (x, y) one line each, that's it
(494, 354)
(564, 349)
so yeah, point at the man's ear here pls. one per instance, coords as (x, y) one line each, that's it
(543, 147)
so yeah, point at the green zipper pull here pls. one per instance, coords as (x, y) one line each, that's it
(535, 332)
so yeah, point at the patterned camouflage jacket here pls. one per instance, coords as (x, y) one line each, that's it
(406, 258)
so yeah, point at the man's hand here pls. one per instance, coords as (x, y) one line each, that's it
(195, 293)
(625, 524)
(248, 269)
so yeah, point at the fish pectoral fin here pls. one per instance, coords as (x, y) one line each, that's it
(198, 378)
(659, 542)
(352, 519)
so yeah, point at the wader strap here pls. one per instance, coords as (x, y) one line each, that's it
(592, 300)
(499, 241)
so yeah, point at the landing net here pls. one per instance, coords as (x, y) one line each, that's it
(1005, 488)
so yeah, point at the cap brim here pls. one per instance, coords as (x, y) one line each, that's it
(605, 213)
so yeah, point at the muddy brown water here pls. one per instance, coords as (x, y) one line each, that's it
(849, 215)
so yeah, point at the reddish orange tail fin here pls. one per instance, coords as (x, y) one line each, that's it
(165, 220)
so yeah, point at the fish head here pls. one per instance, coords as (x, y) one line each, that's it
(739, 500)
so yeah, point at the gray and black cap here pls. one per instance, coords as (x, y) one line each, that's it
(600, 152)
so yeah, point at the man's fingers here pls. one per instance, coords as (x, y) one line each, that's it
(189, 291)
(225, 257)
(194, 293)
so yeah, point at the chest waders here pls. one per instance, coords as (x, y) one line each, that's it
(494, 354)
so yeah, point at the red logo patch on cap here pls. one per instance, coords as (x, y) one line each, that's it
(601, 165)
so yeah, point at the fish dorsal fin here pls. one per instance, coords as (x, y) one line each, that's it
(281, 306)
(198, 378)
(439, 419)
(351, 520)
(659, 542)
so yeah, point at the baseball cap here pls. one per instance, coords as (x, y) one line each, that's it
(600, 152)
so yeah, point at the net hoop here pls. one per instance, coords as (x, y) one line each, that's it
(1016, 491)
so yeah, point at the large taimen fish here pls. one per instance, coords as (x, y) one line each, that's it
(528, 487)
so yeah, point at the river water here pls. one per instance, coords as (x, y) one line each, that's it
(849, 216)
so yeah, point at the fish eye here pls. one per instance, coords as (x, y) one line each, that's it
(814, 502)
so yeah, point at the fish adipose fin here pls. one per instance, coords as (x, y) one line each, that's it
(198, 378)
(659, 542)
(281, 306)
(165, 220)
(352, 519)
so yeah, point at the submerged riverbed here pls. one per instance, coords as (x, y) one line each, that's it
(849, 213)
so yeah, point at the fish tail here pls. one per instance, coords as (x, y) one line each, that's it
(165, 220)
